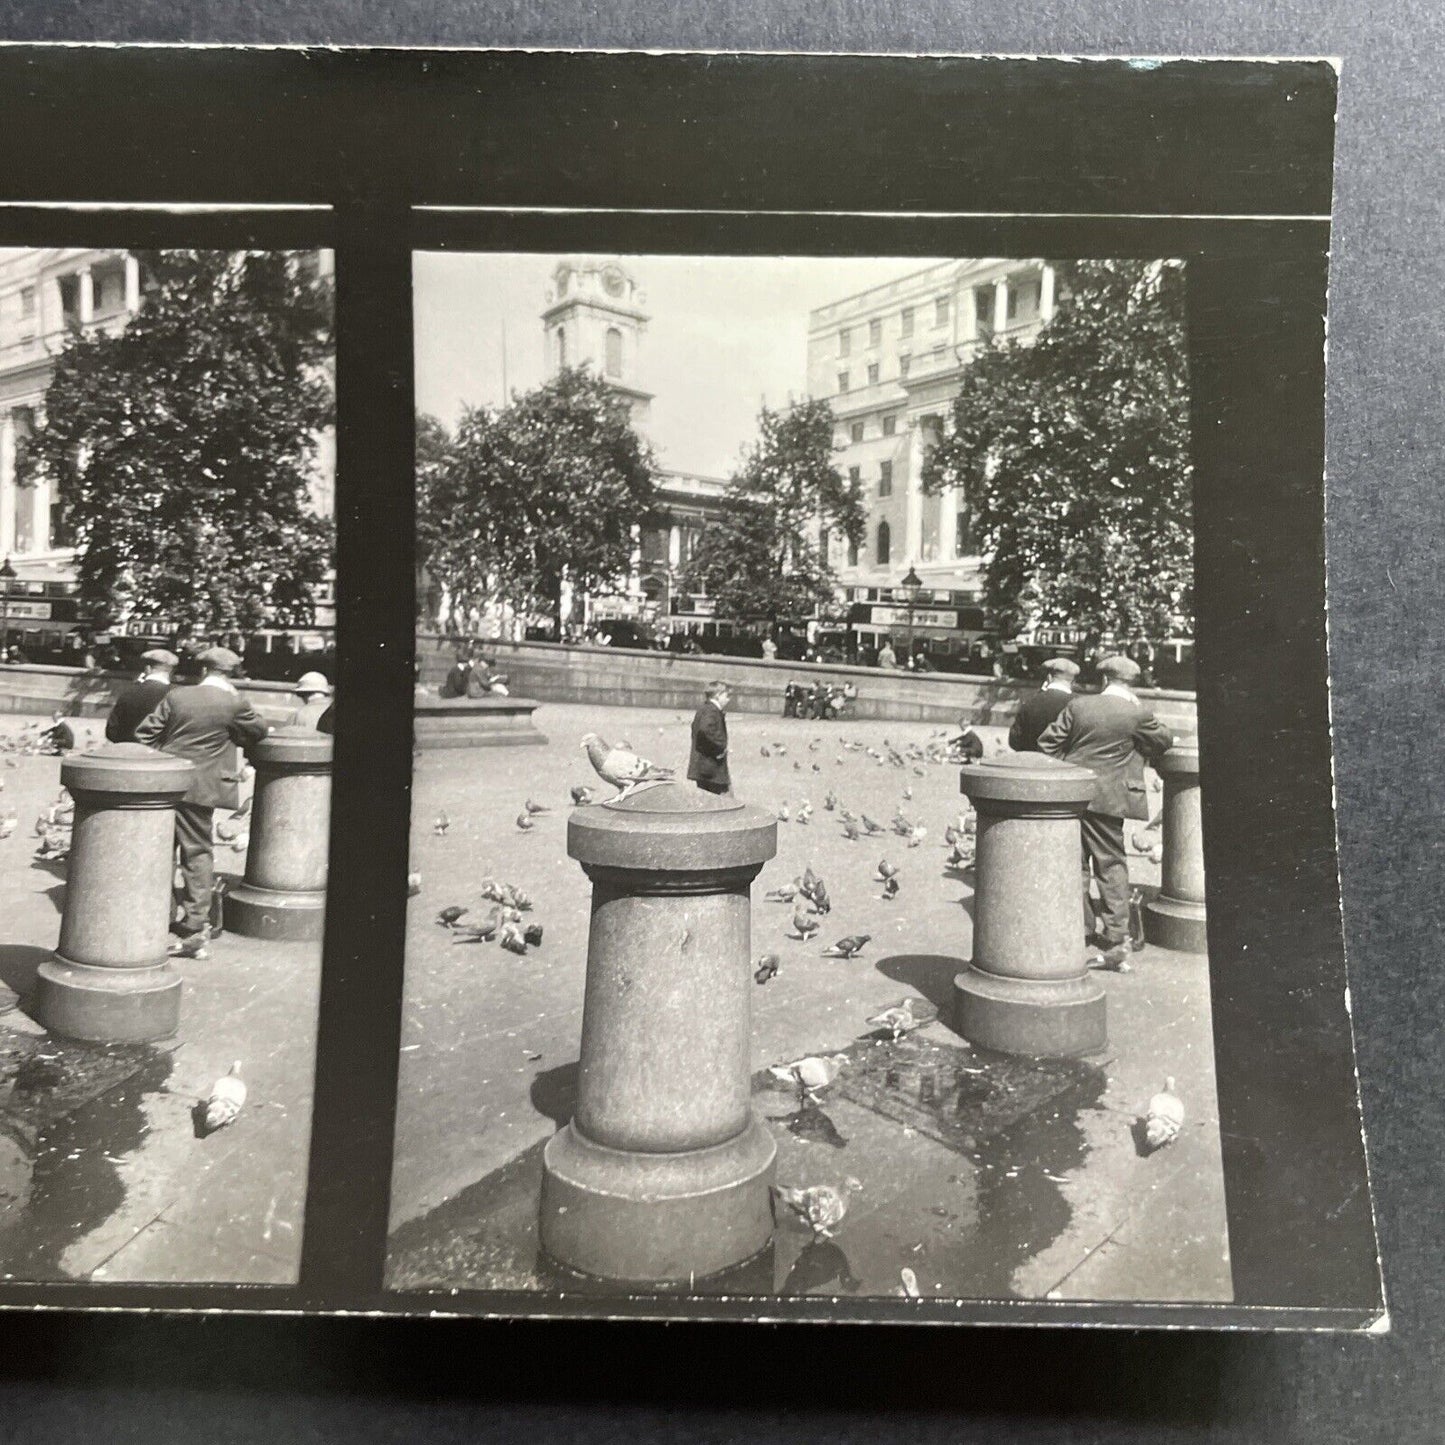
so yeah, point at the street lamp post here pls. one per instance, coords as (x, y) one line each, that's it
(7, 575)
(911, 584)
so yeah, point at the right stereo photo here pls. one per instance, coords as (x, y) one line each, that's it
(807, 887)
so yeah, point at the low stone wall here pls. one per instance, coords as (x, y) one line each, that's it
(554, 672)
(474, 722)
(42, 690)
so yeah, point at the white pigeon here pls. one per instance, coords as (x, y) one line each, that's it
(811, 1073)
(821, 1207)
(228, 1093)
(1164, 1117)
(623, 769)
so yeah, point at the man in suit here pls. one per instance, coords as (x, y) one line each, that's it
(1112, 734)
(1037, 712)
(203, 724)
(708, 764)
(141, 697)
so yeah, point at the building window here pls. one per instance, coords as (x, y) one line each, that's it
(983, 311)
(856, 431)
(613, 347)
(845, 342)
(908, 321)
(963, 534)
(884, 549)
(904, 362)
(890, 425)
(1011, 302)
(875, 333)
(561, 347)
(27, 302)
(842, 381)
(823, 541)
(885, 479)
(940, 311)
(932, 428)
(855, 478)
(872, 373)
(852, 554)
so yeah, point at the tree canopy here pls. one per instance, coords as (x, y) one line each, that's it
(525, 497)
(767, 555)
(180, 451)
(1072, 455)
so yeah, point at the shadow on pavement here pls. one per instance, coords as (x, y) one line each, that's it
(554, 1093)
(930, 974)
(18, 962)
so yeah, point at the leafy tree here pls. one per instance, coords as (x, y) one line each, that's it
(541, 492)
(766, 556)
(1072, 454)
(180, 451)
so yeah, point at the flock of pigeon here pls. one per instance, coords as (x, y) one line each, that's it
(821, 1207)
(53, 825)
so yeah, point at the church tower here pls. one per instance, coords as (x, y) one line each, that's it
(594, 316)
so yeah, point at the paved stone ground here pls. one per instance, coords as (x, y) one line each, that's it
(1013, 1179)
(120, 1187)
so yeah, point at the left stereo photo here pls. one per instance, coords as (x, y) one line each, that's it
(167, 667)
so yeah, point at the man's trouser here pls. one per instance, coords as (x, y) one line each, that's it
(193, 847)
(1104, 854)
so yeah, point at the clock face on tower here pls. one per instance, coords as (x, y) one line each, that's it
(613, 281)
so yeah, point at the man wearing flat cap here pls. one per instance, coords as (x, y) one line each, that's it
(1112, 734)
(142, 696)
(203, 724)
(314, 714)
(1037, 712)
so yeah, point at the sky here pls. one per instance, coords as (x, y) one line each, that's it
(726, 334)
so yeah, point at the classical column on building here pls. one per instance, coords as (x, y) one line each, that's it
(40, 505)
(948, 504)
(1046, 294)
(968, 320)
(913, 497)
(1000, 305)
(7, 484)
(132, 285)
(86, 295)
(674, 546)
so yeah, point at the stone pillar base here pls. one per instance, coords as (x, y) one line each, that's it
(656, 1218)
(1175, 923)
(108, 1005)
(1046, 1018)
(289, 917)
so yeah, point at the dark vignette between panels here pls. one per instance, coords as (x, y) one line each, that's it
(361, 988)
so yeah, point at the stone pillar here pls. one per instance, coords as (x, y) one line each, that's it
(284, 895)
(132, 285)
(913, 498)
(1046, 294)
(948, 525)
(663, 1174)
(7, 484)
(1175, 919)
(109, 979)
(1000, 306)
(968, 320)
(674, 546)
(1027, 989)
(85, 302)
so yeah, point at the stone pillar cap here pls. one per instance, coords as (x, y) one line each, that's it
(1027, 778)
(672, 827)
(1183, 757)
(301, 747)
(126, 768)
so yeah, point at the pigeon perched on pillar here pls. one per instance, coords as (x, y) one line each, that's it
(623, 769)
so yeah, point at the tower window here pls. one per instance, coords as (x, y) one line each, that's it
(883, 551)
(614, 351)
(885, 479)
(561, 347)
(855, 431)
(27, 301)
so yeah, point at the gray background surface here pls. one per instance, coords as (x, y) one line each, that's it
(362, 1382)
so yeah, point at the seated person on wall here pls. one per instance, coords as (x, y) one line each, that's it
(469, 679)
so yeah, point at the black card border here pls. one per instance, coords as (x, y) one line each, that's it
(1254, 284)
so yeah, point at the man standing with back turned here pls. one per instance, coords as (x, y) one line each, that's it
(1112, 734)
(1037, 712)
(142, 696)
(708, 764)
(203, 724)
